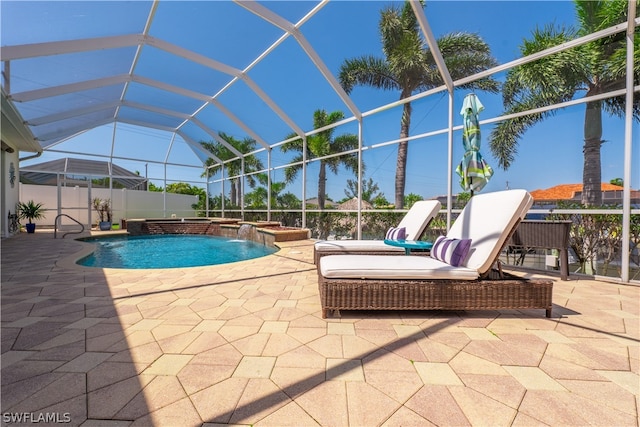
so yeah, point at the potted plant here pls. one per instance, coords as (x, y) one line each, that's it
(103, 207)
(31, 211)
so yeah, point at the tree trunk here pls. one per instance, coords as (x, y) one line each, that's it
(323, 224)
(233, 195)
(403, 148)
(592, 173)
(322, 184)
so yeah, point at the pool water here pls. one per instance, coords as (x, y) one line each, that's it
(170, 251)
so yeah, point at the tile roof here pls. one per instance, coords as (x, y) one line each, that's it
(567, 191)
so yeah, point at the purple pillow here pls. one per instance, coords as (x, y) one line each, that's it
(451, 251)
(396, 233)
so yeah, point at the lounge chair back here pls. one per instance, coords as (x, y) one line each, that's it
(417, 218)
(488, 220)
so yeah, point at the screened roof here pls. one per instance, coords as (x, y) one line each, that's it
(170, 65)
(192, 68)
(79, 172)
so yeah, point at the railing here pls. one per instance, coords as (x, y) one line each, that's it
(595, 235)
(55, 226)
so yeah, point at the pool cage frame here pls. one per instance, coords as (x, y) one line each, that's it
(292, 30)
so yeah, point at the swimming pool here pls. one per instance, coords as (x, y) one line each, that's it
(169, 251)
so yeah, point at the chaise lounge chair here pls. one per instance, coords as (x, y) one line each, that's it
(414, 222)
(382, 282)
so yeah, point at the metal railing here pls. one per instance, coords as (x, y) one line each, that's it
(55, 226)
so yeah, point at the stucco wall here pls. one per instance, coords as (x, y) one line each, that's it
(10, 192)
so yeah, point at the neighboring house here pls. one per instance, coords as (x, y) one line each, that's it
(549, 198)
(79, 172)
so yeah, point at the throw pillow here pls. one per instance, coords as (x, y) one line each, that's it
(451, 251)
(399, 233)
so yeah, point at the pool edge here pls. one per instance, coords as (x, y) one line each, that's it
(71, 261)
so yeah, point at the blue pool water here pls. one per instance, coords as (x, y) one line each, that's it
(170, 251)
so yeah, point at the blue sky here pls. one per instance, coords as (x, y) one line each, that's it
(550, 153)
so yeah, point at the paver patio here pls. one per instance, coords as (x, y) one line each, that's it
(245, 344)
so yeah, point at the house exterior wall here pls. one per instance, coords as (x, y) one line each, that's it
(9, 190)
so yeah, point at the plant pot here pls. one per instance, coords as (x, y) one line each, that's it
(31, 227)
(104, 225)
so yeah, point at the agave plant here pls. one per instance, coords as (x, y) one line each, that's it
(31, 210)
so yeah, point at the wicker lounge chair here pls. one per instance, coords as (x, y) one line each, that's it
(414, 221)
(381, 282)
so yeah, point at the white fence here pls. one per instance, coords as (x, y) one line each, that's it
(126, 204)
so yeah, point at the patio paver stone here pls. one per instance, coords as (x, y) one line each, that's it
(245, 343)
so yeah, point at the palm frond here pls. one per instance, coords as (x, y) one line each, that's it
(595, 15)
(552, 79)
(613, 77)
(323, 144)
(463, 43)
(349, 161)
(262, 178)
(465, 54)
(402, 43)
(391, 28)
(340, 144)
(318, 146)
(504, 138)
(616, 68)
(345, 142)
(293, 145)
(367, 71)
(290, 172)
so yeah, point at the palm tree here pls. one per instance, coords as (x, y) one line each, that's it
(323, 144)
(592, 68)
(408, 66)
(283, 205)
(259, 196)
(370, 190)
(319, 145)
(234, 168)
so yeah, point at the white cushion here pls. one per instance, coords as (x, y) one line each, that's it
(417, 218)
(414, 222)
(487, 220)
(355, 245)
(391, 267)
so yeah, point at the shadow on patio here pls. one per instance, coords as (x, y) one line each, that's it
(65, 354)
